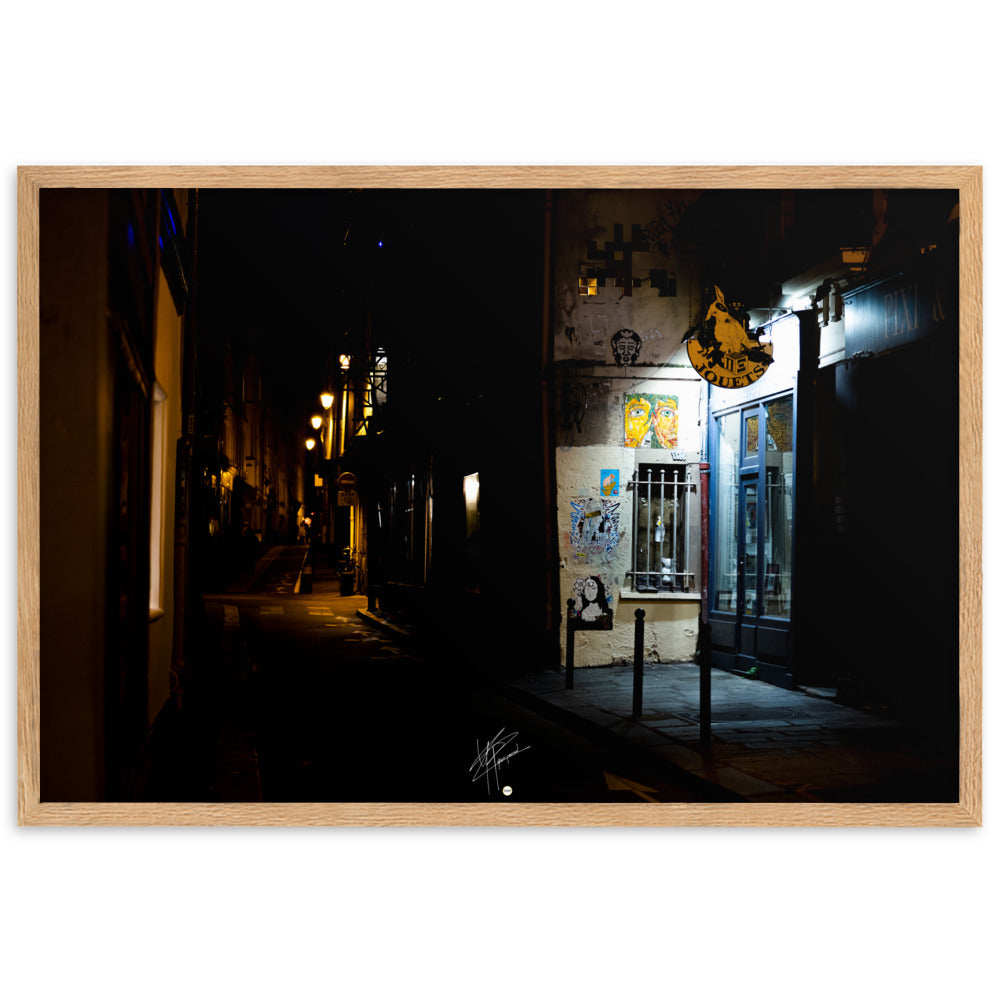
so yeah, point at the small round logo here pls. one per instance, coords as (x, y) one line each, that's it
(507, 790)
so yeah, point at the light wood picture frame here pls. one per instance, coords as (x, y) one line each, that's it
(966, 812)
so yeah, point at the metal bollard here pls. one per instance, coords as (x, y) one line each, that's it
(569, 643)
(639, 653)
(705, 677)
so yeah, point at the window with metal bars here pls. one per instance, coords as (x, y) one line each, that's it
(663, 498)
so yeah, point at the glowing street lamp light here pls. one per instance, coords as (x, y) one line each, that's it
(310, 444)
(327, 400)
(316, 421)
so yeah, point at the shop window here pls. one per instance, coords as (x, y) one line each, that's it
(779, 507)
(754, 506)
(662, 519)
(726, 474)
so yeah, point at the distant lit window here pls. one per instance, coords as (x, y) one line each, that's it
(855, 257)
(587, 286)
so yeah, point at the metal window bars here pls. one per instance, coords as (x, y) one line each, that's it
(660, 550)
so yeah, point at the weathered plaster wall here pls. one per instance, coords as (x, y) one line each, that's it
(671, 620)
(628, 234)
(671, 627)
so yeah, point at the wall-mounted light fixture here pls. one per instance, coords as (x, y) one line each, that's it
(327, 400)
(316, 421)
(310, 444)
(345, 361)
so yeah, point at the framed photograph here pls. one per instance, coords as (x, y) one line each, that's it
(273, 570)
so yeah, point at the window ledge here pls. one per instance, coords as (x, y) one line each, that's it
(666, 595)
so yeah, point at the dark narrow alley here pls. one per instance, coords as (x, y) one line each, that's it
(310, 702)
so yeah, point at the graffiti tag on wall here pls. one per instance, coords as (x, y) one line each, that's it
(658, 234)
(593, 530)
(651, 421)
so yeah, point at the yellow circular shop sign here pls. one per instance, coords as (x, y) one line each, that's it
(723, 352)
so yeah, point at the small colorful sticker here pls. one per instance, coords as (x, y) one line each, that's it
(609, 482)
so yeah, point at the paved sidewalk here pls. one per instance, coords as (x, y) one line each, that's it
(768, 744)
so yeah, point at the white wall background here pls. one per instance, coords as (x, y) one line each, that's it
(258, 913)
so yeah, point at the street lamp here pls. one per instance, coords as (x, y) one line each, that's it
(310, 444)
(327, 400)
(316, 421)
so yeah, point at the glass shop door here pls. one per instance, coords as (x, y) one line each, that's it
(752, 539)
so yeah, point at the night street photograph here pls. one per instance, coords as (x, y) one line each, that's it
(490, 493)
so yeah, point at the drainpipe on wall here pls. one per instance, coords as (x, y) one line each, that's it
(704, 630)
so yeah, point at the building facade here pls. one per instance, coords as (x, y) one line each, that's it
(629, 417)
(114, 290)
(771, 354)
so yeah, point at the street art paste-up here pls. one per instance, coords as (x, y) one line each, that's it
(665, 421)
(638, 416)
(593, 528)
(722, 349)
(609, 483)
(591, 604)
(651, 421)
(625, 346)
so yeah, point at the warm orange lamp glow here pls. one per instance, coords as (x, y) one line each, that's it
(310, 444)
(327, 400)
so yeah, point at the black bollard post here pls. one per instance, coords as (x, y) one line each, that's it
(705, 694)
(569, 643)
(640, 652)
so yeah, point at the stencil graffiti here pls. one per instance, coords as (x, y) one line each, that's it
(625, 346)
(593, 528)
(651, 421)
(591, 602)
